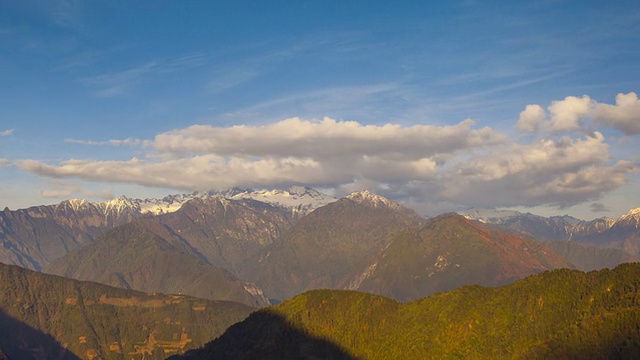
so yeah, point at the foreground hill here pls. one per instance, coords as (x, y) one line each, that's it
(451, 251)
(48, 317)
(556, 314)
(134, 257)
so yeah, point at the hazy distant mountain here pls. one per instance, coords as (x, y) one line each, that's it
(322, 248)
(622, 233)
(134, 257)
(544, 228)
(49, 317)
(554, 315)
(589, 257)
(448, 252)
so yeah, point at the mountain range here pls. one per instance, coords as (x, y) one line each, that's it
(34, 236)
(254, 247)
(622, 233)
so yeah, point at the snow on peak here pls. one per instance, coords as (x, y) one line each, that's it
(300, 199)
(119, 205)
(632, 216)
(489, 215)
(368, 198)
(75, 204)
(634, 211)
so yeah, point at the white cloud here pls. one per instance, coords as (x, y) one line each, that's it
(128, 141)
(326, 139)
(6, 132)
(531, 118)
(624, 115)
(559, 172)
(571, 113)
(457, 165)
(566, 114)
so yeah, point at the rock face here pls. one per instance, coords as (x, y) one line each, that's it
(449, 252)
(48, 317)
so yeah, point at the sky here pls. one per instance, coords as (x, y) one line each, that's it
(440, 105)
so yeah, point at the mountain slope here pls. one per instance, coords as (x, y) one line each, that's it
(556, 314)
(588, 258)
(448, 252)
(322, 248)
(134, 257)
(49, 317)
(227, 233)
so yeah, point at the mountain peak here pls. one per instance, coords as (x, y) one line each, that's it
(119, 205)
(301, 199)
(367, 198)
(75, 204)
(635, 211)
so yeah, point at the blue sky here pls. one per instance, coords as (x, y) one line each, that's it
(439, 105)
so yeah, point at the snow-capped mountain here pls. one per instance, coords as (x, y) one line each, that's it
(367, 198)
(630, 219)
(299, 200)
(490, 216)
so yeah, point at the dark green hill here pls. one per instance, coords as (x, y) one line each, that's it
(559, 314)
(134, 257)
(448, 252)
(49, 317)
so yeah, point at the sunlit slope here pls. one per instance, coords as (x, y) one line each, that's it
(49, 317)
(556, 314)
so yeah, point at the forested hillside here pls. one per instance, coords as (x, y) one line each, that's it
(553, 315)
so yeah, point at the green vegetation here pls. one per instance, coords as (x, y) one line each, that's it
(46, 314)
(553, 315)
